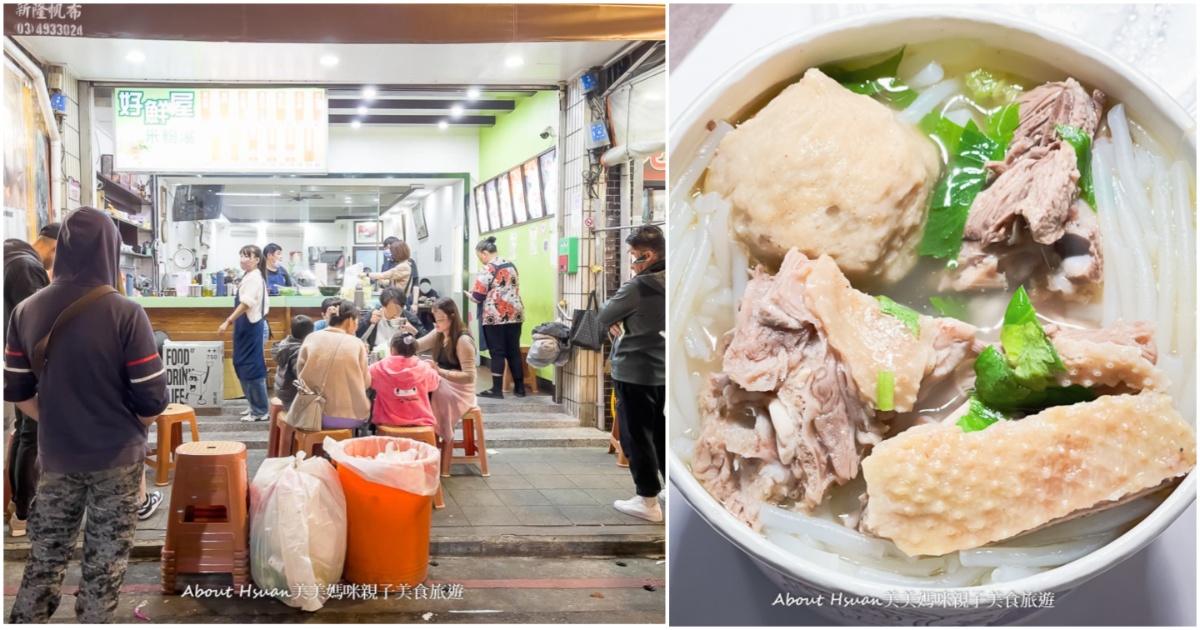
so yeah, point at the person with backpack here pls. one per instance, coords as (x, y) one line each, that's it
(285, 354)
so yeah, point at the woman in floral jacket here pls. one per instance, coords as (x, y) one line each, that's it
(503, 315)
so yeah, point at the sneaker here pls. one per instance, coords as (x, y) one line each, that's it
(253, 418)
(520, 394)
(246, 411)
(153, 500)
(491, 394)
(637, 507)
(16, 526)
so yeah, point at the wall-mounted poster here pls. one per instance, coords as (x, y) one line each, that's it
(367, 233)
(195, 372)
(506, 211)
(217, 130)
(533, 190)
(493, 203)
(518, 195)
(549, 163)
(481, 209)
(419, 221)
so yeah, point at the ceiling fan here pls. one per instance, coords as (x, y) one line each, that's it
(302, 197)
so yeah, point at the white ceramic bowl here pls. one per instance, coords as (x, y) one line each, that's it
(1062, 55)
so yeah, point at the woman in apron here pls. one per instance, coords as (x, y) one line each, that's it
(249, 326)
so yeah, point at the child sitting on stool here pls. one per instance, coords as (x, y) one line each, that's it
(402, 385)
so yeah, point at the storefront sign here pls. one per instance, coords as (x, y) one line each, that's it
(655, 169)
(221, 130)
(195, 372)
(53, 19)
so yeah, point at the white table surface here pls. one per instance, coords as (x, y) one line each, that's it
(711, 581)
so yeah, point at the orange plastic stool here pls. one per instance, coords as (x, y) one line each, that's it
(274, 433)
(169, 427)
(310, 441)
(614, 441)
(420, 434)
(208, 526)
(473, 445)
(387, 540)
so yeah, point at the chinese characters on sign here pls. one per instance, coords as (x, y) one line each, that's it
(221, 130)
(333, 591)
(53, 19)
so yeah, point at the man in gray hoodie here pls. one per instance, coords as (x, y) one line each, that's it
(100, 386)
(639, 368)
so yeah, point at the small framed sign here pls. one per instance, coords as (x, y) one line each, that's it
(367, 233)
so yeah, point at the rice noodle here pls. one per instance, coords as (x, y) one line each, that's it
(681, 303)
(696, 345)
(828, 532)
(1118, 279)
(929, 100)
(958, 578)
(1011, 574)
(803, 548)
(741, 277)
(682, 216)
(1126, 167)
(1107, 521)
(959, 117)
(1137, 281)
(926, 77)
(1050, 556)
(1181, 176)
(682, 446)
(691, 175)
(1144, 165)
(1168, 252)
(719, 233)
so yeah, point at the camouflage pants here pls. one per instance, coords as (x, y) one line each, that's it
(111, 498)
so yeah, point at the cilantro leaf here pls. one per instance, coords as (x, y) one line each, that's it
(996, 383)
(956, 192)
(1027, 347)
(869, 68)
(907, 316)
(1083, 158)
(979, 417)
(890, 90)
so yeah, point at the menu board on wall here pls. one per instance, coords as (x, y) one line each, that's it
(518, 195)
(493, 203)
(506, 211)
(481, 209)
(533, 190)
(283, 130)
(549, 164)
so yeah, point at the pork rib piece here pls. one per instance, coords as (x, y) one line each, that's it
(935, 489)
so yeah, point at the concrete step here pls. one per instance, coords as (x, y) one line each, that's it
(209, 425)
(509, 404)
(497, 437)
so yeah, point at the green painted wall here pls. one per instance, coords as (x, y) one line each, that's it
(514, 138)
(512, 141)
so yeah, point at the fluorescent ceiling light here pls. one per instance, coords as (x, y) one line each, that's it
(356, 123)
(514, 62)
(443, 124)
(329, 61)
(456, 111)
(136, 56)
(228, 194)
(369, 92)
(473, 93)
(362, 110)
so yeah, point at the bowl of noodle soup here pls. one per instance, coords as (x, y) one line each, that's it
(1148, 139)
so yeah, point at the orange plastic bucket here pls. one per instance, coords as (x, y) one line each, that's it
(387, 543)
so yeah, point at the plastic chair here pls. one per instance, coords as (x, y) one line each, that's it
(420, 434)
(473, 445)
(310, 441)
(169, 427)
(530, 375)
(208, 525)
(279, 441)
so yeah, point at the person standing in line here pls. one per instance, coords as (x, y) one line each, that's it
(277, 275)
(26, 271)
(498, 290)
(92, 433)
(639, 369)
(249, 323)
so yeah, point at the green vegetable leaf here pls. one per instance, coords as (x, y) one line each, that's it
(943, 130)
(996, 383)
(885, 391)
(868, 68)
(890, 90)
(1027, 347)
(953, 197)
(989, 88)
(979, 417)
(1002, 123)
(950, 307)
(907, 316)
(1082, 144)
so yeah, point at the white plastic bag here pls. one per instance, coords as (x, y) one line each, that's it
(398, 463)
(350, 280)
(297, 530)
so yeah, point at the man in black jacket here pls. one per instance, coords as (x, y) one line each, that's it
(99, 388)
(639, 369)
(26, 270)
(377, 327)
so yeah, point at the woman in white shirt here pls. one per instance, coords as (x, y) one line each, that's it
(249, 328)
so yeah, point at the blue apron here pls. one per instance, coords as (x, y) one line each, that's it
(248, 361)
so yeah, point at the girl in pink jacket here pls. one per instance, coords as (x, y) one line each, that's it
(402, 386)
